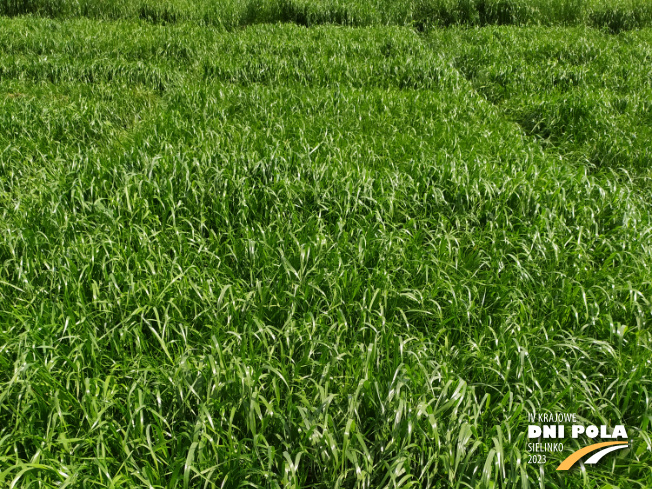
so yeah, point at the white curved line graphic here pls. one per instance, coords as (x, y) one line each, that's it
(595, 458)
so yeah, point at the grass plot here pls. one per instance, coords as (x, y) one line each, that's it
(578, 91)
(300, 258)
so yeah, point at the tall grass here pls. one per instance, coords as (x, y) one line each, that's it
(289, 257)
(579, 92)
(613, 15)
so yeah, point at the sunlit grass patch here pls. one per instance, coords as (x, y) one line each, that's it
(317, 257)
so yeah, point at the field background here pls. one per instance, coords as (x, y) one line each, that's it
(615, 15)
(322, 244)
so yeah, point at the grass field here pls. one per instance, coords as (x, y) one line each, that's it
(242, 249)
(613, 15)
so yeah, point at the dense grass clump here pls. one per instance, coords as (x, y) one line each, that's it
(324, 257)
(581, 91)
(612, 15)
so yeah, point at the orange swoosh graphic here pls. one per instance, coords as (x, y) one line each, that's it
(574, 457)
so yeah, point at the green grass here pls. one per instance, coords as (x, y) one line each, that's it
(319, 257)
(613, 15)
(582, 93)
